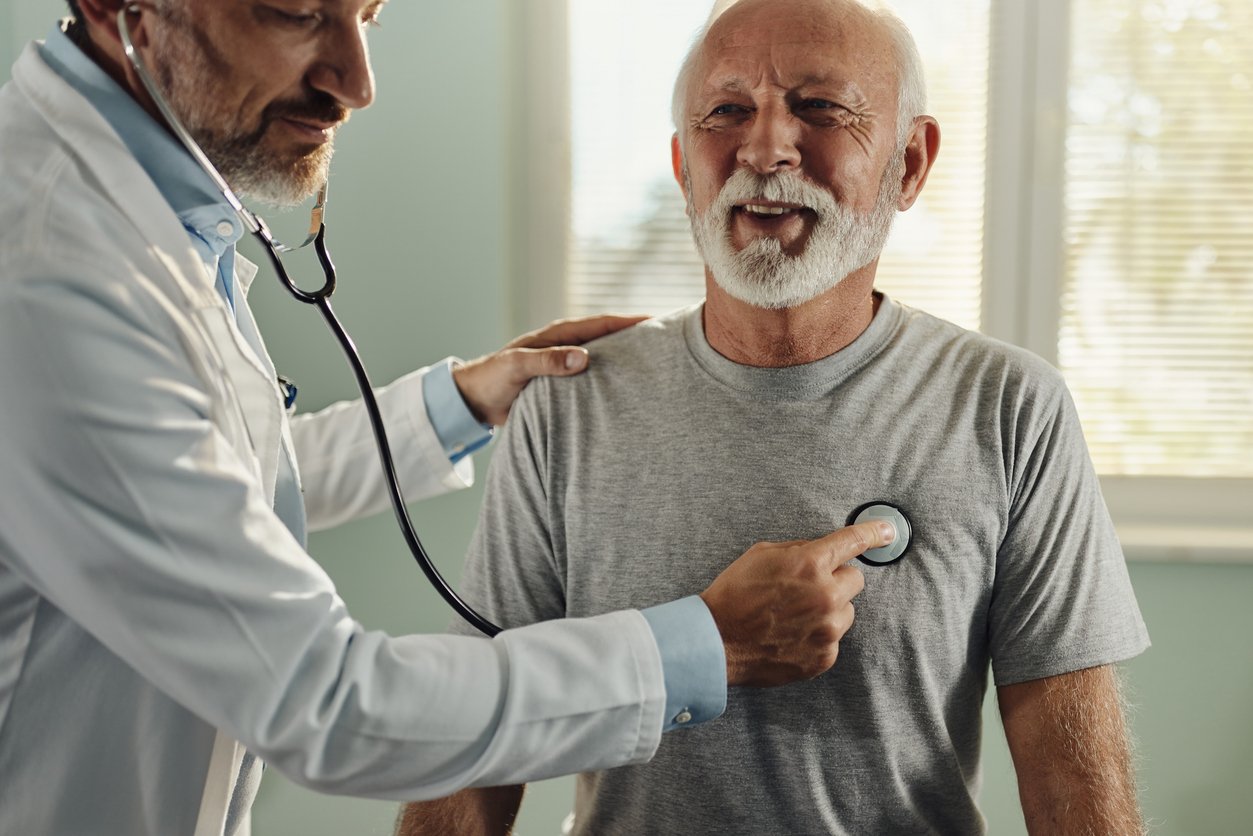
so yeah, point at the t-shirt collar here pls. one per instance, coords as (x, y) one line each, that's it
(806, 381)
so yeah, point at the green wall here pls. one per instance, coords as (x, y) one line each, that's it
(420, 234)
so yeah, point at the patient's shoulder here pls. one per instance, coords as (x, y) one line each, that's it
(641, 348)
(627, 365)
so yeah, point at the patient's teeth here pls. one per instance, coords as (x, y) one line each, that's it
(766, 210)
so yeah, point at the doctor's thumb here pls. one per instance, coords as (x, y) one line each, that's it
(563, 361)
(560, 361)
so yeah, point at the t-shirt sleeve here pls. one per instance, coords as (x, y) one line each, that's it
(1062, 599)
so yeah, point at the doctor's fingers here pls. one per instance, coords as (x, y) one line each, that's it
(490, 384)
(523, 364)
(847, 582)
(842, 619)
(575, 331)
(839, 547)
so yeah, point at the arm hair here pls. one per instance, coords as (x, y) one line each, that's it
(1073, 754)
(479, 811)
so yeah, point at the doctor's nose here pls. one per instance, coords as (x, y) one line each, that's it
(344, 70)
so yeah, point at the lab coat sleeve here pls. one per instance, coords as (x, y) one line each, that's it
(126, 507)
(340, 471)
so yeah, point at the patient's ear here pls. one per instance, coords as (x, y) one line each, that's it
(920, 154)
(676, 162)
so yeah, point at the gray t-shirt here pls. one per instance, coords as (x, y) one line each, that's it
(641, 480)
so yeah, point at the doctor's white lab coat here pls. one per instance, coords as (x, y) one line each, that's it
(153, 609)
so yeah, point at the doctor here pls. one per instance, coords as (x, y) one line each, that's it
(162, 627)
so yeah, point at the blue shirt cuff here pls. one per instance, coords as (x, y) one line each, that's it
(455, 426)
(692, 660)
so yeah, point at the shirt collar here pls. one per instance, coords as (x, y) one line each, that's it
(190, 192)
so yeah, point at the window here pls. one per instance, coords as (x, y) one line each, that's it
(1156, 326)
(1092, 201)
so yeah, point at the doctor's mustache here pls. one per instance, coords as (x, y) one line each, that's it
(318, 107)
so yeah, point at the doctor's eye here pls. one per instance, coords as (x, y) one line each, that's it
(292, 20)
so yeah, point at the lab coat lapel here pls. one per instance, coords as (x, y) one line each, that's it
(255, 388)
(245, 272)
(124, 181)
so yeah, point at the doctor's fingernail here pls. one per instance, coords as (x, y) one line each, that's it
(575, 360)
(887, 530)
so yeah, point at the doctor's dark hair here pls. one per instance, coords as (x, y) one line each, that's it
(75, 29)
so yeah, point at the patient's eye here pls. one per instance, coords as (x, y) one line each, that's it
(728, 113)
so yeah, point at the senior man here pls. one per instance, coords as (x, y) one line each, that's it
(161, 624)
(795, 394)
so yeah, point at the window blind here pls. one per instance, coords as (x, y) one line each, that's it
(1156, 326)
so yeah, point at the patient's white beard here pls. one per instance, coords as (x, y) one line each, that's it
(764, 276)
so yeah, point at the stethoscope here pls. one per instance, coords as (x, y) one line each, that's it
(321, 299)
(894, 551)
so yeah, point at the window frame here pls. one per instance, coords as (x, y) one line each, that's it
(1182, 519)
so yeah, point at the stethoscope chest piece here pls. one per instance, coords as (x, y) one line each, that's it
(904, 532)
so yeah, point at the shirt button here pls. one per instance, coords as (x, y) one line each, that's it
(682, 717)
(226, 229)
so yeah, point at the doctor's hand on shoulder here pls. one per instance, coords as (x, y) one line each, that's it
(490, 384)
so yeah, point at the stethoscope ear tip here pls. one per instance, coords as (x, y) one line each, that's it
(882, 510)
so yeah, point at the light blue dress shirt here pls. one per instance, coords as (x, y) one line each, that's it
(687, 637)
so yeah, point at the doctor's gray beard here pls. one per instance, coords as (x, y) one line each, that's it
(188, 70)
(762, 274)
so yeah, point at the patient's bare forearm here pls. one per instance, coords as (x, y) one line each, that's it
(1072, 753)
(481, 811)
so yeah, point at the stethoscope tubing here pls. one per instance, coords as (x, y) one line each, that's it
(321, 299)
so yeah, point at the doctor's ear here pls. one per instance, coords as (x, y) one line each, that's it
(100, 17)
